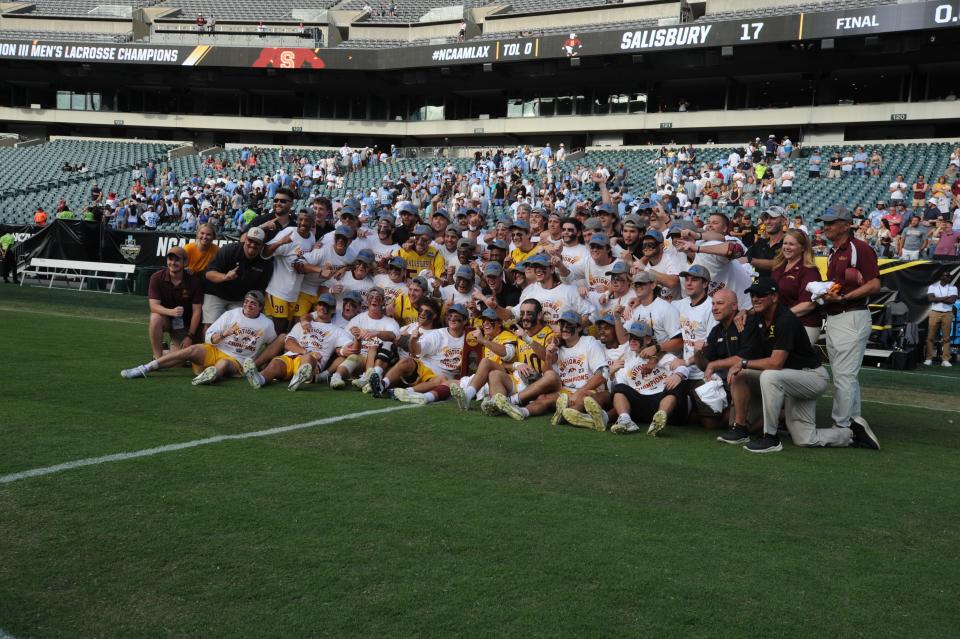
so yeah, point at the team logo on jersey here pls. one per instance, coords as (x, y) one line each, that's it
(130, 250)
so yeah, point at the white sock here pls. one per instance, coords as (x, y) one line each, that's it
(470, 393)
(526, 413)
(430, 397)
(385, 383)
(623, 418)
(152, 365)
(515, 399)
(323, 377)
(378, 370)
(263, 380)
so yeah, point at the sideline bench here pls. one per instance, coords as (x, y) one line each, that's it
(74, 270)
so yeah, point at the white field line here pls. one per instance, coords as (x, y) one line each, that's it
(149, 452)
(874, 401)
(10, 309)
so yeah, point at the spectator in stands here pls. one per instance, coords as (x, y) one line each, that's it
(461, 31)
(150, 219)
(813, 164)
(897, 190)
(846, 164)
(947, 241)
(201, 24)
(66, 214)
(919, 189)
(40, 217)
(211, 25)
(176, 302)
(876, 163)
(8, 259)
(261, 30)
(860, 162)
(835, 165)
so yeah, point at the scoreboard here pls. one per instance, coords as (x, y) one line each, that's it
(865, 21)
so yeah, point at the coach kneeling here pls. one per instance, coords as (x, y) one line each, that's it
(790, 378)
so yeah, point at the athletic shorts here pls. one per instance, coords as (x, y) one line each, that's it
(424, 373)
(214, 307)
(291, 364)
(278, 308)
(212, 355)
(642, 407)
(304, 304)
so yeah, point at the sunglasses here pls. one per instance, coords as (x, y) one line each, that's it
(281, 200)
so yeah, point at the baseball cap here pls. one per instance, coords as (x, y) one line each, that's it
(644, 277)
(774, 211)
(327, 300)
(498, 244)
(441, 212)
(422, 229)
(465, 243)
(345, 231)
(493, 269)
(353, 296)
(538, 259)
(619, 268)
(490, 314)
(607, 318)
(388, 218)
(655, 234)
(570, 316)
(640, 330)
(453, 229)
(376, 290)
(599, 239)
(256, 234)
(763, 286)
(523, 225)
(674, 230)
(255, 295)
(605, 208)
(592, 224)
(421, 282)
(366, 256)
(696, 271)
(397, 262)
(348, 210)
(836, 213)
(539, 211)
(407, 207)
(177, 252)
(465, 272)
(633, 220)
(458, 308)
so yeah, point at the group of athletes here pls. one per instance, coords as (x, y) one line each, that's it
(602, 323)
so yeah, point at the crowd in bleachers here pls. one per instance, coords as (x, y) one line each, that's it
(230, 188)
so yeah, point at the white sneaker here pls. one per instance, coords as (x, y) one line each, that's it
(489, 407)
(928, 362)
(576, 418)
(361, 381)
(946, 364)
(508, 408)
(457, 392)
(336, 381)
(206, 377)
(133, 373)
(562, 402)
(301, 377)
(597, 415)
(624, 427)
(412, 397)
(657, 423)
(252, 374)
(400, 393)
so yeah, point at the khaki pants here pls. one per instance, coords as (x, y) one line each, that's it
(939, 322)
(847, 335)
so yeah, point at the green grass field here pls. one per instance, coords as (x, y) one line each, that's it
(431, 522)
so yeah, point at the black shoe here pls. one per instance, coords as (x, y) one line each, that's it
(376, 385)
(863, 436)
(736, 435)
(766, 444)
(387, 394)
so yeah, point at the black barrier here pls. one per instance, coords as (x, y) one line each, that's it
(701, 33)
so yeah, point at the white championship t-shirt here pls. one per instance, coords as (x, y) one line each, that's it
(577, 364)
(319, 257)
(253, 335)
(696, 322)
(661, 316)
(319, 338)
(367, 323)
(653, 382)
(554, 301)
(285, 283)
(441, 352)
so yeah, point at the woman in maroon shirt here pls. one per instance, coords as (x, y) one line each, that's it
(793, 269)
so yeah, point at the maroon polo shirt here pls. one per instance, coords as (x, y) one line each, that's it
(841, 259)
(186, 294)
(792, 285)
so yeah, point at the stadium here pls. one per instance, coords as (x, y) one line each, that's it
(355, 318)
